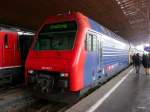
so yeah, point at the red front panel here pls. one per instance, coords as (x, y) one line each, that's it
(51, 61)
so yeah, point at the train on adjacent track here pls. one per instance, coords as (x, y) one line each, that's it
(13, 51)
(71, 53)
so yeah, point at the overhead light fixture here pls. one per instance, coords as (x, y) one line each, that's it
(147, 45)
(20, 33)
(25, 33)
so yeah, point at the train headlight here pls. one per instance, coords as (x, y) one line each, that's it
(30, 71)
(64, 75)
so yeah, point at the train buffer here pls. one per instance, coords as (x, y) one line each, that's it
(127, 92)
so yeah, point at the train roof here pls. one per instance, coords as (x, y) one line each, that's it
(100, 28)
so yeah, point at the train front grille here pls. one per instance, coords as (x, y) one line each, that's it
(48, 82)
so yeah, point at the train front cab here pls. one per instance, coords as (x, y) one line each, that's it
(54, 66)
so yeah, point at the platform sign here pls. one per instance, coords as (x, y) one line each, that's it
(147, 49)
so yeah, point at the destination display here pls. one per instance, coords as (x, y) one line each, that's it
(64, 26)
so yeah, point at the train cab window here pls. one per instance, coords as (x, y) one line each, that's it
(91, 42)
(58, 36)
(6, 41)
(44, 44)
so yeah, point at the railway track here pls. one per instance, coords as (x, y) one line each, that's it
(20, 100)
(43, 106)
(14, 99)
(5, 88)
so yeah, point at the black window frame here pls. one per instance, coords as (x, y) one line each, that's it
(6, 41)
(91, 46)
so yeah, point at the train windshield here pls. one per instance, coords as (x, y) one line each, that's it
(58, 36)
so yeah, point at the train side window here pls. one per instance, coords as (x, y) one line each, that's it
(91, 42)
(6, 41)
(94, 38)
(88, 42)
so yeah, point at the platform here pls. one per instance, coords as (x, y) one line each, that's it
(127, 92)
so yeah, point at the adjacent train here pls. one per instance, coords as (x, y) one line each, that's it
(71, 53)
(13, 51)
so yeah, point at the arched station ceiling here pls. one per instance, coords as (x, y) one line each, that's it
(128, 18)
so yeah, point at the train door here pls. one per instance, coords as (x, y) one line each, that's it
(24, 42)
(10, 53)
(99, 68)
(92, 58)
